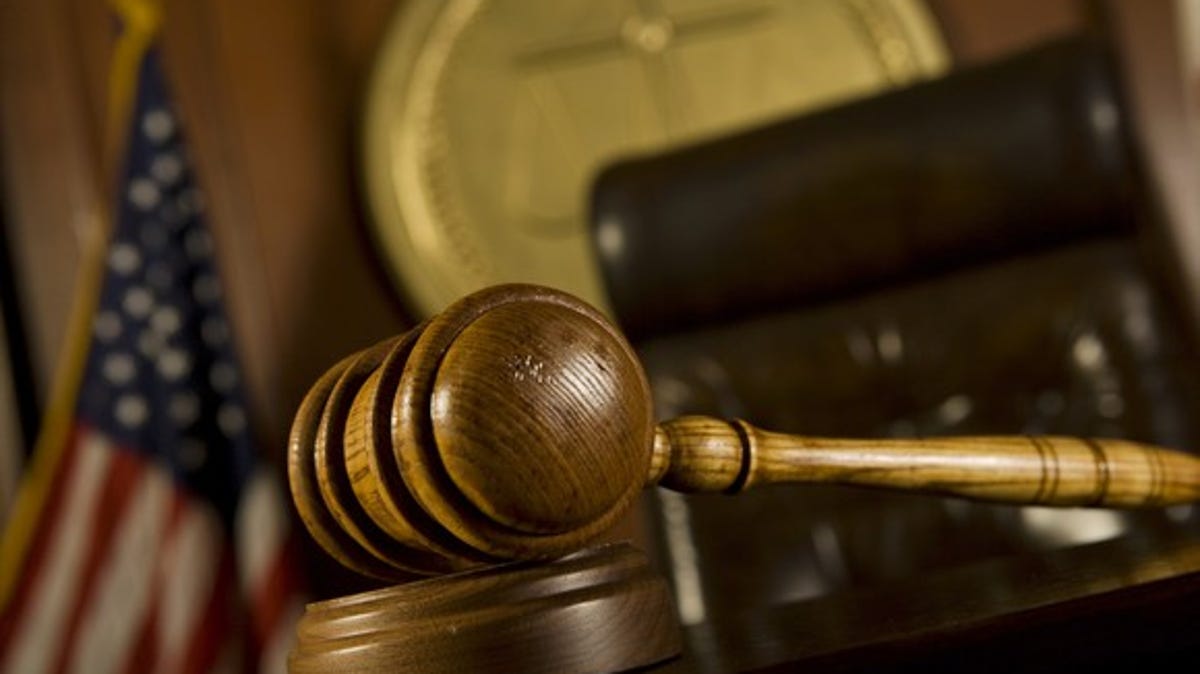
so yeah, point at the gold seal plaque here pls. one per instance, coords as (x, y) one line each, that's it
(487, 119)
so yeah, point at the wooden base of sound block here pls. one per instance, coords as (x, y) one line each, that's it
(600, 610)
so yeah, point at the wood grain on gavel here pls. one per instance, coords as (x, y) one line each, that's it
(517, 424)
(505, 618)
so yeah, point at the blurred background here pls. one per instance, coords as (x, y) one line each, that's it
(840, 217)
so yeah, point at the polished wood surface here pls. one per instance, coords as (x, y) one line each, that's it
(705, 454)
(432, 491)
(517, 424)
(338, 538)
(1129, 604)
(600, 610)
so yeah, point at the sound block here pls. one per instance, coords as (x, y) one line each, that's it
(600, 610)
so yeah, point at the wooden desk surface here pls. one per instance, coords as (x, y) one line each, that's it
(1133, 601)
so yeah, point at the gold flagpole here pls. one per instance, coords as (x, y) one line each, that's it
(140, 21)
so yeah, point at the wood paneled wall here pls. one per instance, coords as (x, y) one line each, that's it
(269, 92)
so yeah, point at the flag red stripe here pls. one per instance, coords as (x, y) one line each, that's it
(215, 624)
(46, 527)
(146, 647)
(144, 654)
(124, 471)
(270, 601)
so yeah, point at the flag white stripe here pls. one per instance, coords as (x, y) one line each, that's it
(261, 529)
(122, 594)
(36, 642)
(187, 572)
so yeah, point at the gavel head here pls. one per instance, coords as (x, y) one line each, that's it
(516, 424)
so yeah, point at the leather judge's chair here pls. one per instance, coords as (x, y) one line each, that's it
(971, 256)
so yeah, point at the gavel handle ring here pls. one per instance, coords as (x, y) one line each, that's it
(705, 454)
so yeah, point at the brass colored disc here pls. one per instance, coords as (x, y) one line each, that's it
(487, 120)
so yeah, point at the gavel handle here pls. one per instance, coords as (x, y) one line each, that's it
(706, 454)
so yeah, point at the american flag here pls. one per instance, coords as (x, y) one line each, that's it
(162, 544)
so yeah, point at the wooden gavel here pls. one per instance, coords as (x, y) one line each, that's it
(517, 424)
